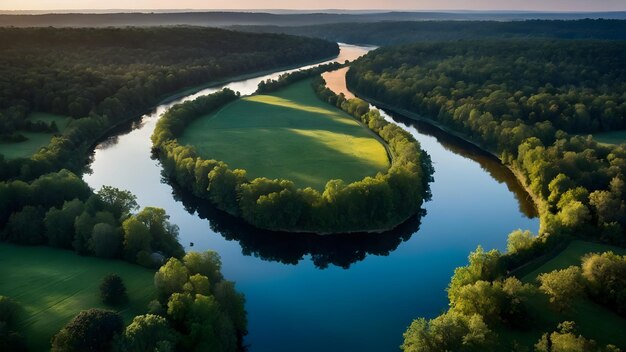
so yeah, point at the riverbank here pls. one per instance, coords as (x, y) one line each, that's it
(186, 92)
(276, 272)
(521, 179)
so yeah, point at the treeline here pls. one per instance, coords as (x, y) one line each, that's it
(400, 32)
(518, 99)
(196, 310)
(340, 250)
(484, 301)
(100, 77)
(510, 99)
(272, 85)
(61, 211)
(372, 204)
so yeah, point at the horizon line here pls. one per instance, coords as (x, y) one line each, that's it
(323, 11)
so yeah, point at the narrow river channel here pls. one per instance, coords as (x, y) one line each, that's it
(351, 293)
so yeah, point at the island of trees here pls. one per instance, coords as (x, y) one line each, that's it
(375, 203)
(527, 101)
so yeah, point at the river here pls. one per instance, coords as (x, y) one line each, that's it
(338, 293)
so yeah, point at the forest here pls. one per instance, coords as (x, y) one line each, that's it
(372, 204)
(401, 31)
(527, 102)
(101, 77)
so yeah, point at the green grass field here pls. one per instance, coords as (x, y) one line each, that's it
(54, 285)
(592, 320)
(613, 138)
(36, 140)
(289, 134)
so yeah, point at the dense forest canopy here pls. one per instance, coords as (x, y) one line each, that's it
(220, 19)
(400, 32)
(526, 101)
(517, 98)
(100, 77)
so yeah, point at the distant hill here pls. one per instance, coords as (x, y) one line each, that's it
(387, 33)
(222, 19)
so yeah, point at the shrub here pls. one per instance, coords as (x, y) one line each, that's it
(90, 330)
(113, 290)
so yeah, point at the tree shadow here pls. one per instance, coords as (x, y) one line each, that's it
(341, 250)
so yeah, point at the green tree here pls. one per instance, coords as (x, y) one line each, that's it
(59, 223)
(105, 241)
(565, 340)
(451, 331)
(207, 263)
(137, 238)
(147, 333)
(562, 286)
(113, 290)
(90, 330)
(171, 278)
(122, 202)
(519, 240)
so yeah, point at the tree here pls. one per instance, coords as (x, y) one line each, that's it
(136, 237)
(519, 240)
(206, 263)
(59, 223)
(233, 304)
(565, 340)
(113, 290)
(147, 333)
(122, 202)
(562, 286)
(26, 226)
(105, 242)
(170, 278)
(482, 266)
(10, 311)
(451, 331)
(90, 330)
(605, 275)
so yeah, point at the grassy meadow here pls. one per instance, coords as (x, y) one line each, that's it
(592, 320)
(289, 134)
(53, 285)
(36, 140)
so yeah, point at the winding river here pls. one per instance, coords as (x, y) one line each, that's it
(350, 293)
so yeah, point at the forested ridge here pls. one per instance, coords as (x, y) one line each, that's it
(372, 204)
(100, 77)
(401, 32)
(524, 101)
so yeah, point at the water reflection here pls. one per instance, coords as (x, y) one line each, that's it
(340, 250)
(487, 161)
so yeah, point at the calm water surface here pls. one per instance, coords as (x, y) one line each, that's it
(341, 293)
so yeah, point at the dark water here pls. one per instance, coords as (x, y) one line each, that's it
(338, 293)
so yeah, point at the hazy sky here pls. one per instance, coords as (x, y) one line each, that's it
(538, 5)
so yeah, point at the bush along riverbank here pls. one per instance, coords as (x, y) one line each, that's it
(373, 204)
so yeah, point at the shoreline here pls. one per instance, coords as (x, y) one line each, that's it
(170, 97)
(521, 179)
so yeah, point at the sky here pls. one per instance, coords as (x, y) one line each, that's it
(524, 5)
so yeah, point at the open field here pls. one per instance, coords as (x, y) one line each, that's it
(36, 140)
(615, 137)
(289, 134)
(54, 285)
(592, 320)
